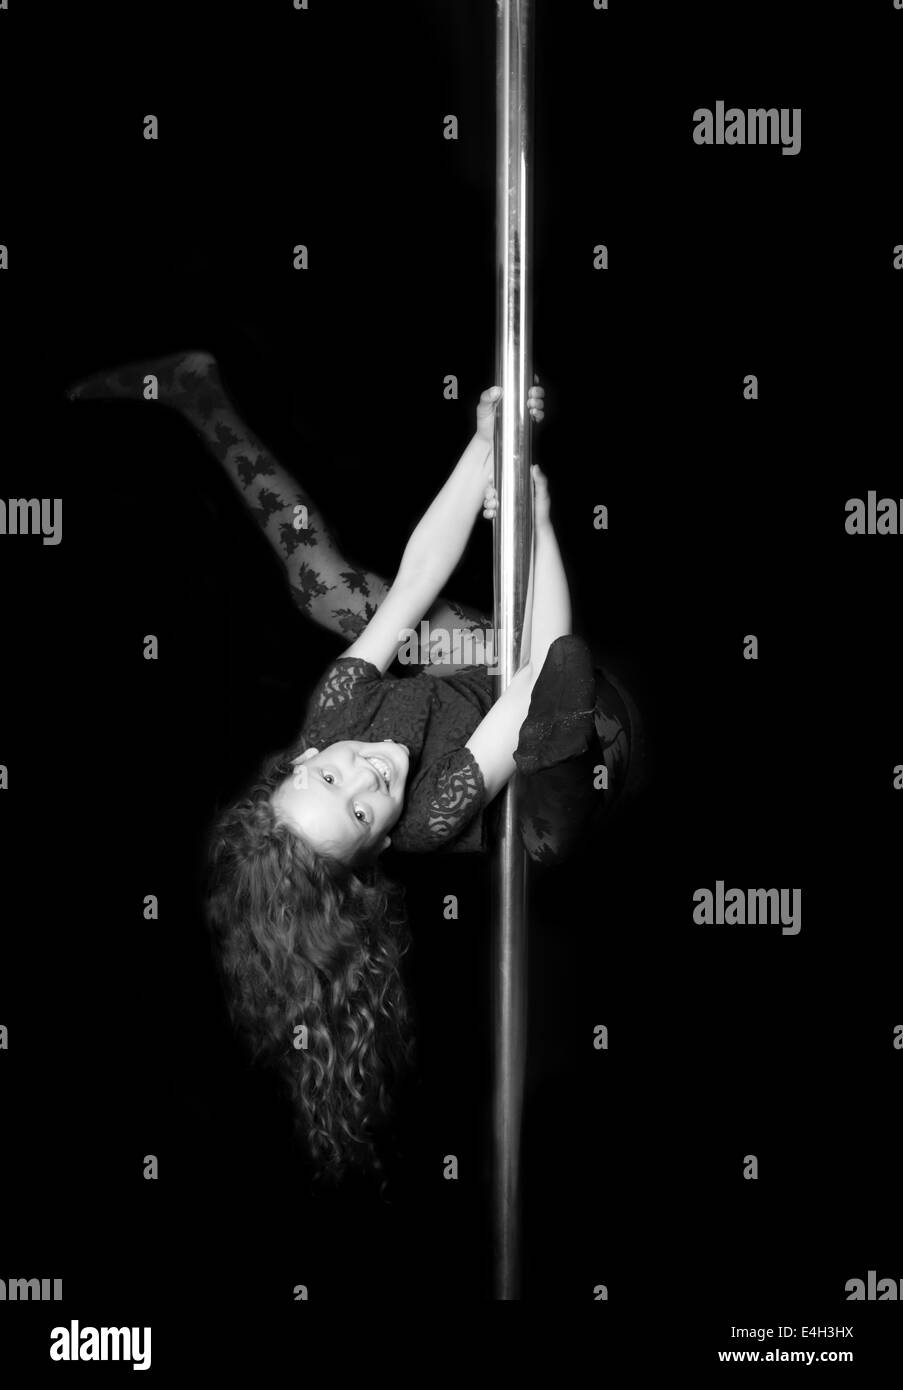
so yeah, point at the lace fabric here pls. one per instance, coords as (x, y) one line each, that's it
(445, 803)
(459, 788)
(446, 793)
(338, 685)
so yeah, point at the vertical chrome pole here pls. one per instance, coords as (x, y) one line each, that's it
(512, 551)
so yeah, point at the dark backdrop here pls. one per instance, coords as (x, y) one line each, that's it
(727, 518)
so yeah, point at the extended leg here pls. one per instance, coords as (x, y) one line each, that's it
(325, 584)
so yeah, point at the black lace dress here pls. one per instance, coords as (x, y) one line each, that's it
(434, 715)
(581, 715)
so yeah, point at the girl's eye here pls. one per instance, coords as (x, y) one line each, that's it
(364, 814)
(328, 777)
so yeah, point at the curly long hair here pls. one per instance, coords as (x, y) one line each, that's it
(310, 950)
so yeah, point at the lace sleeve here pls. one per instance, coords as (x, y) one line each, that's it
(459, 793)
(341, 705)
(340, 681)
(443, 806)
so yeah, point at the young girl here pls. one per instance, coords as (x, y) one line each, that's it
(310, 929)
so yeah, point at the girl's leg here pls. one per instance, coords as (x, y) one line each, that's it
(582, 716)
(325, 584)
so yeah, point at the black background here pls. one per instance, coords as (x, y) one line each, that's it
(726, 518)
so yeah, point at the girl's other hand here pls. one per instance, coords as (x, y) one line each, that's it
(536, 400)
(542, 506)
(486, 412)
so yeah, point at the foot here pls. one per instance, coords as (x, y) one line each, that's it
(184, 379)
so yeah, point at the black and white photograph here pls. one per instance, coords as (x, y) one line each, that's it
(451, 743)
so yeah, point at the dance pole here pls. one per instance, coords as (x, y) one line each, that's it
(513, 543)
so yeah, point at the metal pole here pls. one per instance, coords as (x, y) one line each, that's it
(511, 562)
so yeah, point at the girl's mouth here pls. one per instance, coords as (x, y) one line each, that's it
(382, 767)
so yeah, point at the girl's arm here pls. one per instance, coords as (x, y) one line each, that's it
(439, 540)
(550, 616)
(496, 737)
(440, 537)
(435, 547)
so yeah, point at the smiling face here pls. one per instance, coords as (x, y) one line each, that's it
(343, 799)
